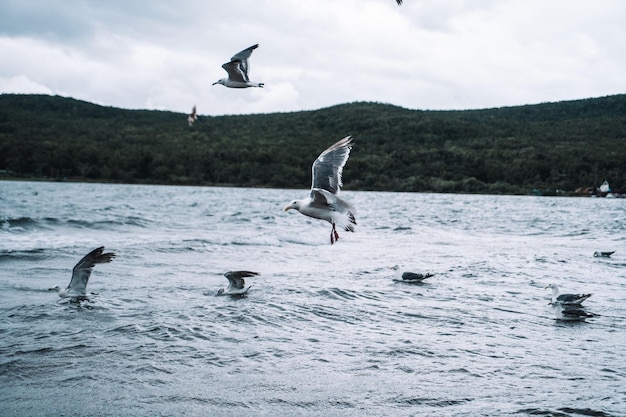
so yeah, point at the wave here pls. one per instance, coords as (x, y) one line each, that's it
(27, 224)
(22, 255)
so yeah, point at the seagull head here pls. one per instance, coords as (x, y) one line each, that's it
(222, 81)
(295, 204)
(59, 290)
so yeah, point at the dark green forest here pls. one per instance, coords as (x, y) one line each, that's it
(563, 146)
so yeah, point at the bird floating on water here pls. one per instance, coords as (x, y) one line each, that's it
(413, 277)
(598, 254)
(192, 117)
(236, 283)
(323, 201)
(566, 299)
(237, 70)
(77, 288)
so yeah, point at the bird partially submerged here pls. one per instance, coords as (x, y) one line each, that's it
(236, 283)
(77, 288)
(323, 201)
(237, 70)
(412, 277)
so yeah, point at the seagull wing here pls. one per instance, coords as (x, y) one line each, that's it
(235, 71)
(328, 167)
(242, 57)
(572, 298)
(236, 278)
(82, 270)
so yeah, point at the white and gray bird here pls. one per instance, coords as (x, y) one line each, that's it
(192, 117)
(603, 254)
(77, 288)
(566, 299)
(323, 201)
(236, 283)
(237, 70)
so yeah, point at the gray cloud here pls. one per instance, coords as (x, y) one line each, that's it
(444, 54)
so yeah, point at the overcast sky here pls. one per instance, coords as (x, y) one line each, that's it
(425, 54)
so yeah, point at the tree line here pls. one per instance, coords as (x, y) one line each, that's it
(511, 150)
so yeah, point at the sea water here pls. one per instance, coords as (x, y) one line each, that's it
(325, 329)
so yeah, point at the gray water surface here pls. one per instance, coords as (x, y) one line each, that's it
(324, 330)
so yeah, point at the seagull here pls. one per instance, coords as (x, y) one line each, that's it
(77, 288)
(237, 70)
(323, 202)
(236, 283)
(597, 254)
(412, 277)
(566, 299)
(192, 117)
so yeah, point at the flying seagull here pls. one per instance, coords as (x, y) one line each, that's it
(236, 283)
(237, 70)
(566, 299)
(323, 201)
(192, 117)
(77, 288)
(597, 254)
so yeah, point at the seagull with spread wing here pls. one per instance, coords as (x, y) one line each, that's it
(237, 70)
(77, 288)
(323, 201)
(236, 283)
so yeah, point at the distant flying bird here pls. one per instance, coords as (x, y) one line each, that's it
(236, 283)
(597, 254)
(566, 299)
(77, 288)
(323, 202)
(192, 117)
(399, 2)
(237, 70)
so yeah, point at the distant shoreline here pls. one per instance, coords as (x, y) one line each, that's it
(531, 193)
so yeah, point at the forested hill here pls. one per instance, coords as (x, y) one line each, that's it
(564, 145)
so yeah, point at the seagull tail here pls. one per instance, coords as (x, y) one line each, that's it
(349, 227)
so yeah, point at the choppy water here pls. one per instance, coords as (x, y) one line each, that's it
(324, 330)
